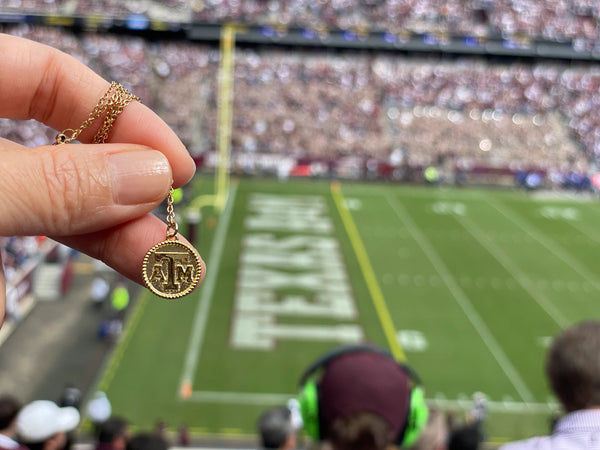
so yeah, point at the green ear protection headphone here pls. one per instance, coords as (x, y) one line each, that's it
(309, 396)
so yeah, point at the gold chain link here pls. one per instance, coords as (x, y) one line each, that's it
(172, 226)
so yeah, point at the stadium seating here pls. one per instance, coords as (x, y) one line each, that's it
(555, 20)
(324, 106)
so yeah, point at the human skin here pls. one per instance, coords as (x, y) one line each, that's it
(95, 198)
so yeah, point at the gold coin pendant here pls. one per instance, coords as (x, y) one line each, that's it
(171, 269)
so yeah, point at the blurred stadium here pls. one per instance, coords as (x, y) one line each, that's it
(421, 174)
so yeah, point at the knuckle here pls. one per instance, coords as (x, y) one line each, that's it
(64, 186)
(45, 99)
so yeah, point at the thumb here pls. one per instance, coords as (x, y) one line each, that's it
(72, 189)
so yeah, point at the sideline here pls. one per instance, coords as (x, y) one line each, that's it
(123, 342)
(194, 347)
(460, 404)
(368, 273)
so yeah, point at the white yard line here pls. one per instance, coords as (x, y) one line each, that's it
(240, 398)
(588, 231)
(268, 399)
(194, 347)
(463, 301)
(517, 274)
(548, 243)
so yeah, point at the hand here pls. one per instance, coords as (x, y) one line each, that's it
(95, 198)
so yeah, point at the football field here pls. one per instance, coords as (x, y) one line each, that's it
(468, 286)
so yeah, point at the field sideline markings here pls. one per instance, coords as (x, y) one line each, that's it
(203, 310)
(368, 273)
(463, 301)
(557, 249)
(119, 351)
(275, 399)
(506, 262)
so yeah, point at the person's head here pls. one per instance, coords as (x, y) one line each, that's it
(364, 399)
(276, 429)
(573, 366)
(147, 441)
(42, 424)
(114, 431)
(99, 408)
(9, 408)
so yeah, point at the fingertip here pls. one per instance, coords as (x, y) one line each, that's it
(140, 125)
(139, 176)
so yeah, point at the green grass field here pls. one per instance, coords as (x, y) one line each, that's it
(467, 285)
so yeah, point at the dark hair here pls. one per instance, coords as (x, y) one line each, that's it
(573, 366)
(274, 426)
(466, 437)
(112, 428)
(9, 408)
(36, 445)
(360, 431)
(147, 441)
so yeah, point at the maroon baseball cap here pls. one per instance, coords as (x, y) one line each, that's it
(365, 382)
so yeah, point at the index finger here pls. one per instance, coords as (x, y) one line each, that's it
(43, 83)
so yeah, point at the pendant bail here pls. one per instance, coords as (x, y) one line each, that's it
(63, 137)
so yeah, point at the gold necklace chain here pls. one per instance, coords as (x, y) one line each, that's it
(112, 103)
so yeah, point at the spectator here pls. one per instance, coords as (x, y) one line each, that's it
(147, 441)
(183, 435)
(119, 300)
(9, 408)
(276, 429)
(113, 434)
(364, 399)
(99, 291)
(71, 396)
(161, 429)
(465, 437)
(573, 370)
(99, 409)
(43, 425)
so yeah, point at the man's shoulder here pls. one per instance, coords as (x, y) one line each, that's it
(560, 441)
(537, 443)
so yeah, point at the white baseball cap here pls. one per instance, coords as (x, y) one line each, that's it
(99, 408)
(42, 419)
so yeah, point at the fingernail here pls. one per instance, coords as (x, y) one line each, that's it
(139, 177)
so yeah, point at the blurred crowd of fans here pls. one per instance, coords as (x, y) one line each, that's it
(556, 20)
(371, 108)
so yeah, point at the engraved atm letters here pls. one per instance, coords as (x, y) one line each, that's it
(171, 268)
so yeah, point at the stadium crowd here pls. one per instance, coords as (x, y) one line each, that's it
(325, 106)
(555, 20)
